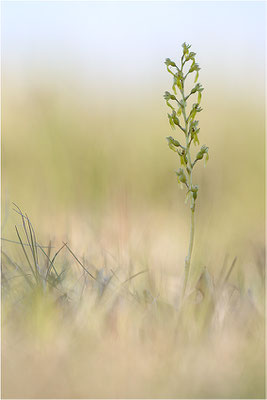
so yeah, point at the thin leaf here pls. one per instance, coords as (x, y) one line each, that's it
(79, 262)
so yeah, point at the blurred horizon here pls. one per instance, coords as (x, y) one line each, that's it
(83, 116)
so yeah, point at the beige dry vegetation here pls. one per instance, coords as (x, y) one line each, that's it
(106, 187)
(124, 334)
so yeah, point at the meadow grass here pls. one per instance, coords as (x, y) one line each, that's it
(90, 289)
(110, 325)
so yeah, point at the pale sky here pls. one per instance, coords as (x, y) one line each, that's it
(130, 40)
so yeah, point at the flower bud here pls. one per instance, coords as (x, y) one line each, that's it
(190, 56)
(183, 157)
(177, 81)
(170, 63)
(194, 190)
(186, 48)
(175, 118)
(204, 150)
(195, 109)
(197, 88)
(171, 121)
(181, 176)
(168, 96)
(173, 142)
(194, 67)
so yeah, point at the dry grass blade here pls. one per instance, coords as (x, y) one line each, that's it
(114, 274)
(17, 267)
(51, 262)
(134, 276)
(25, 244)
(230, 271)
(48, 255)
(31, 239)
(23, 222)
(122, 284)
(79, 262)
(33, 242)
(25, 253)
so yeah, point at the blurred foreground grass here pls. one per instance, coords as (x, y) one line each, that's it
(98, 175)
(94, 322)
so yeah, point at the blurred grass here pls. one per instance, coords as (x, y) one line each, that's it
(64, 338)
(90, 165)
(69, 148)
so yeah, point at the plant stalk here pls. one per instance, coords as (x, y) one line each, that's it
(190, 249)
(192, 227)
(190, 130)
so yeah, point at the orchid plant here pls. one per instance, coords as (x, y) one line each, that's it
(186, 121)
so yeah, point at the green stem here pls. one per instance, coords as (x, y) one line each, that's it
(190, 248)
(192, 227)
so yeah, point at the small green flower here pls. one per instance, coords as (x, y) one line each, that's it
(170, 63)
(168, 96)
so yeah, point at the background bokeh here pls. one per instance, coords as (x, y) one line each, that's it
(84, 125)
(84, 154)
(84, 120)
